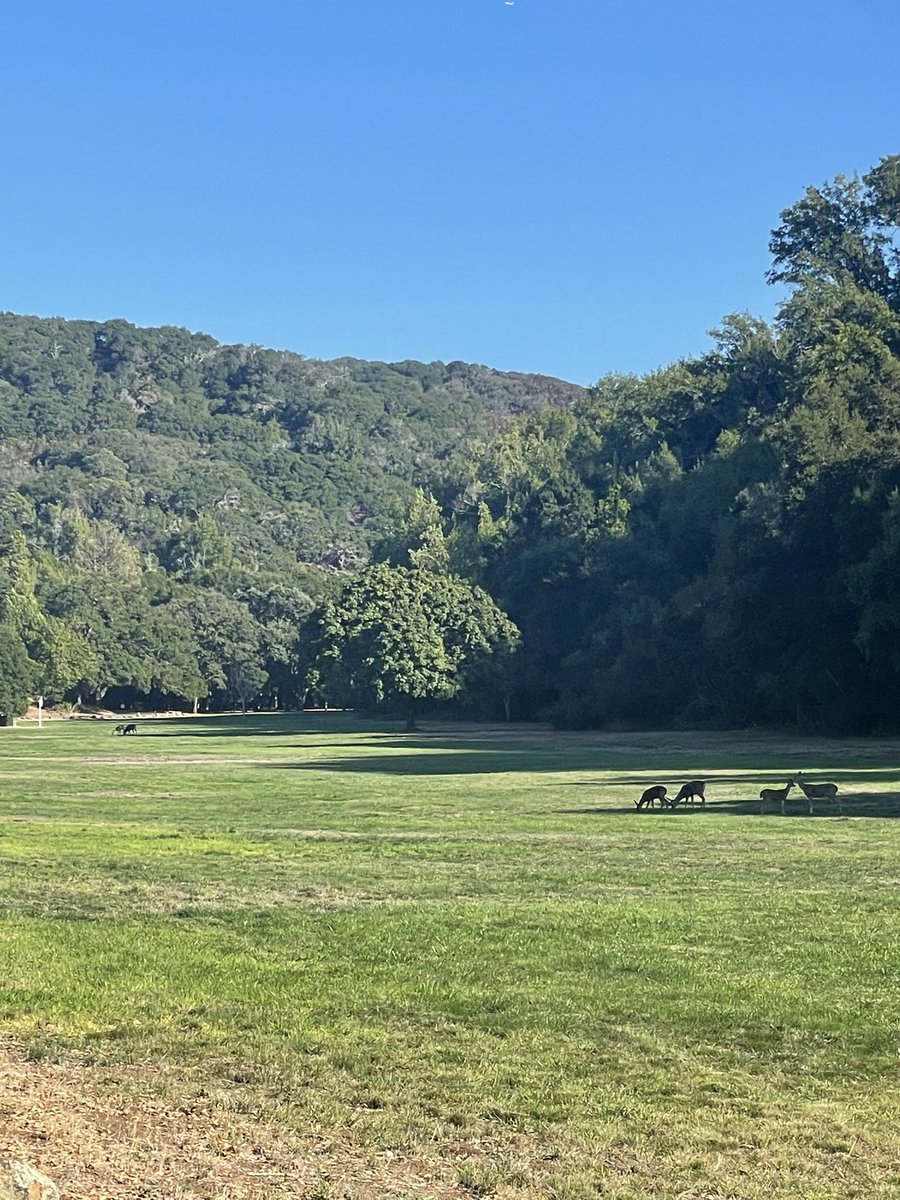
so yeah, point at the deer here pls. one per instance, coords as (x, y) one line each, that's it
(689, 791)
(818, 791)
(775, 794)
(657, 792)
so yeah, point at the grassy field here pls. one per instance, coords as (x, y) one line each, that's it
(467, 948)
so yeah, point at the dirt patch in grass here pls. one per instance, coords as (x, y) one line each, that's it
(106, 1135)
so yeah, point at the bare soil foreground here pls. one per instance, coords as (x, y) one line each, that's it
(71, 1122)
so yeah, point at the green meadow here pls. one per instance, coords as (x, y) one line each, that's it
(467, 945)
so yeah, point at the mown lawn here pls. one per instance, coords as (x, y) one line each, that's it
(467, 944)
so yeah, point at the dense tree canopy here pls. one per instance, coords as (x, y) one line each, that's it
(16, 679)
(406, 634)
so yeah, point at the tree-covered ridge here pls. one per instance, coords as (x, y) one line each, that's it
(295, 459)
(183, 505)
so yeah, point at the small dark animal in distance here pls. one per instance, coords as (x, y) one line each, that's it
(651, 795)
(130, 728)
(690, 791)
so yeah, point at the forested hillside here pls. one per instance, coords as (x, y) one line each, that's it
(719, 542)
(716, 543)
(172, 508)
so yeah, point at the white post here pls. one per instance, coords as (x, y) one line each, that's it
(40, 712)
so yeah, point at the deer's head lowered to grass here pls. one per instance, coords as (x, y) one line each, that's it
(651, 795)
(689, 791)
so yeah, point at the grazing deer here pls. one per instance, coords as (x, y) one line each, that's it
(818, 791)
(689, 791)
(775, 794)
(657, 792)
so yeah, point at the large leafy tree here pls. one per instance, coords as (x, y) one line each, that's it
(59, 656)
(844, 230)
(406, 634)
(229, 644)
(15, 674)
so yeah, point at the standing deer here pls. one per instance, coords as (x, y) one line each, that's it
(657, 792)
(775, 794)
(689, 791)
(818, 791)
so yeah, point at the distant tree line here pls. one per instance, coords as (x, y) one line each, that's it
(716, 543)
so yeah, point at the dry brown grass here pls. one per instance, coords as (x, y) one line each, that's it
(105, 1134)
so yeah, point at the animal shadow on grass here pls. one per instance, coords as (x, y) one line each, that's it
(854, 804)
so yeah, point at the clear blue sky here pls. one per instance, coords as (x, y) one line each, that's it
(564, 186)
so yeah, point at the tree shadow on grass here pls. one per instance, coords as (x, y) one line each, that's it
(493, 748)
(855, 804)
(455, 761)
(257, 725)
(441, 756)
(764, 777)
(330, 724)
(398, 753)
